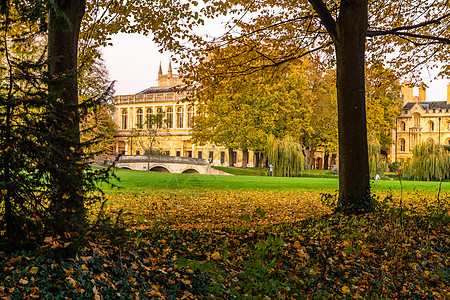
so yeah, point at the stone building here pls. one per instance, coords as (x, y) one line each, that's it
(173, 135)
(420, 121)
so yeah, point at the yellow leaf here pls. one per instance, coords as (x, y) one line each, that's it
(23, 281)
(215, 255)
(83, 266)
(345, 289)
(71, 281)
(48, 239)
(34, 270)
(186, 281)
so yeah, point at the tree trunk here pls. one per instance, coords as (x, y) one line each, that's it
(326, 157)
(231, 161)
(67, 178)
(354, 187)
(244, 158)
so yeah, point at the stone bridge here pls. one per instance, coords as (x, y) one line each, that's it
(167, 164)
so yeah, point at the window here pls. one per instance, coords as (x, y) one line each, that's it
(180, 113)
(169, 117)
(431, 126)
(222, 157)
(402, 126)
(448, 126)
(159, 116)
(402, 145)
(148, 118)
(139, 117)
(200, 154)
(124, 119)
(138, 152)
(211, 157)
(178, 153)
(190, 114)
(416, 118)
(189, 154)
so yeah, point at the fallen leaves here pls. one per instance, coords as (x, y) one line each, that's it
(285, 245)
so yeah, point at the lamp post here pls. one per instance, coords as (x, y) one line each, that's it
(439, 136)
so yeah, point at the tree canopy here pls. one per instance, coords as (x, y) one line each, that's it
(351, 35)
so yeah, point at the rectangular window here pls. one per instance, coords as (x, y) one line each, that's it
(138, 153)
(189, 153)
(222, 157)
(178, 153)
(211, 156)
(200, 154)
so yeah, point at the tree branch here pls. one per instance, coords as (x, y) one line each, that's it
(326, 18)
(420, 36)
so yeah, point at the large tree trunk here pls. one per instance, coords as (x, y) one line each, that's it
(244, 158)
(231, 161)
(67, 179)
(354, 187)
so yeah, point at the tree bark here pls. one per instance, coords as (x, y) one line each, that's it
(354, 187)
(231, 161)
(326, 157)
(244, 158)
(67, 179)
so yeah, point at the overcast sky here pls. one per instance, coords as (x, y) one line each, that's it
(133, 61)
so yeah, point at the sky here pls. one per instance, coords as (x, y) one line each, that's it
(133, 62)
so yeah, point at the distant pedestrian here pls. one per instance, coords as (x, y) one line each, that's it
(377, 177)
(270, 169)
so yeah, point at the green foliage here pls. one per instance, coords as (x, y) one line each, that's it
(45, 177)
(430, 161)
(286, 155)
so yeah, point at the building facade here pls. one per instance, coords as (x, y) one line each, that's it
(172, 137)
(420, 121)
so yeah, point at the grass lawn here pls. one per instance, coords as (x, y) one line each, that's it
(138, 181)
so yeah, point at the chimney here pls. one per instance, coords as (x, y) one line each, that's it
(448, 93)
(423, 93)
(407, 92)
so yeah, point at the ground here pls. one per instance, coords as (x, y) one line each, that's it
(178, 236)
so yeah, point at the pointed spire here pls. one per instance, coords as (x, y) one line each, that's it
(160, 69)
(169, 72)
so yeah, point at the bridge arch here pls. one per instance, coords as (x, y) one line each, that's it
(190, 171)
(160, 169)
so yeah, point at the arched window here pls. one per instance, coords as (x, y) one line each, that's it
(431, 126)
(402, 145)
(148, 117)
(180, 115)
(190, 114)
(159, 116)
(169, 117)
(139, 117)
(402, 126)
(416, 119)
(447, 142)
(124, 118)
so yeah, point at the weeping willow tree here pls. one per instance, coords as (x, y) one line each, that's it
(430, 161)
(377, 163)
(285, 155)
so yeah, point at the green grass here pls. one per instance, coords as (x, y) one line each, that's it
(265, 172)
(136, 181)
